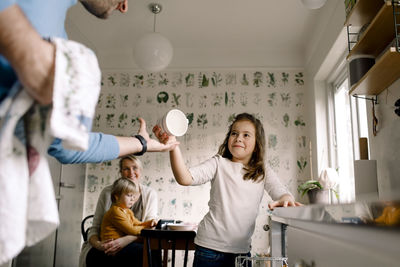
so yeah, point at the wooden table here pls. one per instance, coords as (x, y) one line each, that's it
(156, 239)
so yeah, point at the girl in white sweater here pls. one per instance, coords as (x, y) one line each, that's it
(238, 177)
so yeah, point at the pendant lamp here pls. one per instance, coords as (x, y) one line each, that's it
(153, 51)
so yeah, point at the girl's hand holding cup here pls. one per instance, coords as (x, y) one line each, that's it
(173, 123)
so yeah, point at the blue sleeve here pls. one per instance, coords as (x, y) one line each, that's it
(102, 147)
(6, 3)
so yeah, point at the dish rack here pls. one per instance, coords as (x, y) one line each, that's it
(244, 261)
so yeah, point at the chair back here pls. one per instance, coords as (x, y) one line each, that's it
(85, 226)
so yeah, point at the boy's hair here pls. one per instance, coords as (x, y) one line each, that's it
(130, 157)
(121, 186)
(255, 170)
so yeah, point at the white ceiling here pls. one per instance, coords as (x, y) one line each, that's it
(206, 32)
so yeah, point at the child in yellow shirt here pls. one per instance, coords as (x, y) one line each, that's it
(119, 220)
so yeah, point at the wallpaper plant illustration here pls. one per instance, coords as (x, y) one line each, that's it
(210, 99)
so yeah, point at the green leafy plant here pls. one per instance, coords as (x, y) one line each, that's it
(307, 186)
(311, 185)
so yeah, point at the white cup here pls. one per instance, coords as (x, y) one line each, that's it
(174, 122)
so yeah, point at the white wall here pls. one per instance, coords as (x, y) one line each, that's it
(322, 55)
(327, 46)
(275, 96)
(385, 146)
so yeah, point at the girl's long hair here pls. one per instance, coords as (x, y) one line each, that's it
(255, 170)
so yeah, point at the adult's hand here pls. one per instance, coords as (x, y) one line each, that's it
(31, 57)
(131, 145)
(284, 201)
(111, 247)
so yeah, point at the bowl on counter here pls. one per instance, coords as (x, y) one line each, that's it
(182, 226)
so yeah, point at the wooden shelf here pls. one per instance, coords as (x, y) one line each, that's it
(363, 12)
(378, 35)
(385, 71)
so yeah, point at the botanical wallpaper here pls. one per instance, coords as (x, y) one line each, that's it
(210, 99)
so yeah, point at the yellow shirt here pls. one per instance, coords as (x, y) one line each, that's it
(118, 222)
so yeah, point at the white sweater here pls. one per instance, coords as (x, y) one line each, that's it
(233, 205)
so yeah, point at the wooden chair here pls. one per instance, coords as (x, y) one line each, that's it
(84, 227)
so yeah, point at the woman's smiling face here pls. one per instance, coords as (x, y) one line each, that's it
(242, 141)
(131, 170)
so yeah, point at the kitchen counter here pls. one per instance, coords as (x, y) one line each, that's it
(372, 214)
(356, 234)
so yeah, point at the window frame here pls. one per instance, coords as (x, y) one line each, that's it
(334, 82)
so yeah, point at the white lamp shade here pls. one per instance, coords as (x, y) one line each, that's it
(153, 52)
(313, 4)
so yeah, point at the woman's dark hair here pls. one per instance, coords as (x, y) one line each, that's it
(255, 170)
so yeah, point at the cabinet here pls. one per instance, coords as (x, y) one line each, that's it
(322, 250)
(382, 29)
(334, 235)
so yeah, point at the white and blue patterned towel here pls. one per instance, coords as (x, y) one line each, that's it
(28, 208)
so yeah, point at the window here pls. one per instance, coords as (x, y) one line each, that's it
(362, 117)
(347, 122)
(343, 142)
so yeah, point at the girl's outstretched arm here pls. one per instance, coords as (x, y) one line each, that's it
(181, 172)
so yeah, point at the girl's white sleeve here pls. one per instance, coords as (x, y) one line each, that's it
(205, 171)
(273, 185)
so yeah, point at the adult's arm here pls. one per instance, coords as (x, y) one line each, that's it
(31, 57)
(111, 247)
(102, 147)
(103, 204)
(105, 147)
(150, 203)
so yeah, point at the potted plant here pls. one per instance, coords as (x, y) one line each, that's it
(318, 190)
(315, 191)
